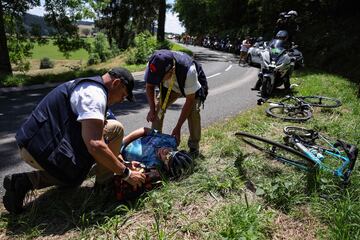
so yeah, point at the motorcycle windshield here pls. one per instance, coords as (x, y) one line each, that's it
(277, 47)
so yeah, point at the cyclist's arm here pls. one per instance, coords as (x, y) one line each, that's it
(140, 132)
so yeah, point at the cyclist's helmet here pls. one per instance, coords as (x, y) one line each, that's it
(260, 39)
(181, 162)
(292, 13)
(282, 35)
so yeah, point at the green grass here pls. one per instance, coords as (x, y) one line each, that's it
(54, 75)
(233, 193)
(51, 51)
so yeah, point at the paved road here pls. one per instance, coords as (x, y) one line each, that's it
(229, 94)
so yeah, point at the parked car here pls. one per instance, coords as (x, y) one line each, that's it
(254, 53)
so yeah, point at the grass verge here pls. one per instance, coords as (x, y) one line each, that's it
(233, 193)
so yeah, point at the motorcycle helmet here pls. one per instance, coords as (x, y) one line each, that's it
(292, 13)
(282, 35)
(260, 39)
(180, 163)
(282, 14)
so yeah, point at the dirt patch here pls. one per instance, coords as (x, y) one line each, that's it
(302, 228)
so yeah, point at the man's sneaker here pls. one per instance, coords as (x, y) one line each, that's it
(16, 186)
(194, 152)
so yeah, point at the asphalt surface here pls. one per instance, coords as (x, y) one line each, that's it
(229, 94)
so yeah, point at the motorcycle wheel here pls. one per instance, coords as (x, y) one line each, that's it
(266, 88)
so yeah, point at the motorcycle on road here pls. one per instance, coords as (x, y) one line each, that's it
(277, 64)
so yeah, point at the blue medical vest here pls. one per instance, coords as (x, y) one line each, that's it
(52, 135)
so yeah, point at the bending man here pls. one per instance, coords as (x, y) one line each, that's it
(176, 74)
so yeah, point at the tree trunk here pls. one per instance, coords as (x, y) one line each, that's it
(5, 66)
(161, 21)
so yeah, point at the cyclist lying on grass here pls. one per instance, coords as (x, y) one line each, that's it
(154, 154)
(155, 150)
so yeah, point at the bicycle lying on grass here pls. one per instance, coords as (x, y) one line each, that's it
(308, 150)
(299, 108)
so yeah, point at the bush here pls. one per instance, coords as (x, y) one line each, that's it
(93, 59)
(46, 63)
(145, 45)
(13, 80)
(100, 50)
(164, 45)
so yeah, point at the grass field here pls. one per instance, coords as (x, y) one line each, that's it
(70, 68)
(51, 51)
(234, 192)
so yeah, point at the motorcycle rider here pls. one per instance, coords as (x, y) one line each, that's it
(281, 35)
(288, 22)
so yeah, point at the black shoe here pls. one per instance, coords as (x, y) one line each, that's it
(194, 152)
(255, 89)
(16, 186)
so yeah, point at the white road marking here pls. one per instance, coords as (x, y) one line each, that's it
(7, 139)
(228, 68)
(233, 85)
(214, 75)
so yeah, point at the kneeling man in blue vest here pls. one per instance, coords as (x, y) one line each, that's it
(69, 132)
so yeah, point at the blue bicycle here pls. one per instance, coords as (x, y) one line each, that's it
(308, 150)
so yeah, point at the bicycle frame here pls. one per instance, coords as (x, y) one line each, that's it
(315, 153)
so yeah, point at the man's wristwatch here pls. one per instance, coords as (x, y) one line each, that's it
(126, 174)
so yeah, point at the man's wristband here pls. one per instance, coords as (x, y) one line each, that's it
(126, 174)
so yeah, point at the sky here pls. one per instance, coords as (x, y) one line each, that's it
(172, 24)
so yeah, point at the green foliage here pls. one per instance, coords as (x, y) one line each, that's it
(145, 45)
(100, 50)
(282, 192)
(14, 80)
(46, 63)
(237, 221)
(327, 28)
(123, 20)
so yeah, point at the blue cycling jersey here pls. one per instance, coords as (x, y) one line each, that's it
(144, 149)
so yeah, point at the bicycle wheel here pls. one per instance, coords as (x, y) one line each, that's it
(320, 101)
(289, 113)
(302, 133)
(278, 151)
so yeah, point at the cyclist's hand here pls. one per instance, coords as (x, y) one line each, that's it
(136, 179)
(133, 165)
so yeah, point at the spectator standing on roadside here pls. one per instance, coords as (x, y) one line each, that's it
(244, 49)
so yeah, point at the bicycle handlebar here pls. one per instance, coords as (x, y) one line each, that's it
(350, 150)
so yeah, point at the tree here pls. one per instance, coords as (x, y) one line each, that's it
(14, 41)
(5, 66)
(122, 20)
(161, 21)
(63, 16)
